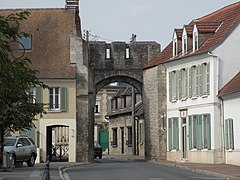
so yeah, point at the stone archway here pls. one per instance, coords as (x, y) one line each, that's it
(99, 69)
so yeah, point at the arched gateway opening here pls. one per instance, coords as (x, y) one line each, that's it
(107, 63)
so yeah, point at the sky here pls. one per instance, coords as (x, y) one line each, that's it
(117, 20)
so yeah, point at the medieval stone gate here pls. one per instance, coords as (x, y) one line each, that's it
(104, 63)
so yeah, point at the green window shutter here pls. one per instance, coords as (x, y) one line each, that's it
(190, 131)
(209, 131)
(170, 86)
(176, 138)
(208, 78)
(177, 85)
(186, 83)
(226, 134)
(170, 134)
(31, 95)
(39, 97)
(63, 99)
(199, 132)
(200, 79)
(180, 84)
(190, 82)
(231, 144)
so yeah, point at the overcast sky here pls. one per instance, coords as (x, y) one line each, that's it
(116, 20)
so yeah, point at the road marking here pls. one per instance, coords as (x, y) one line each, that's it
(155, 179)
(205, 178)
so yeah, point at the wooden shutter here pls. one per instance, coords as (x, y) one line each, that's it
(208, 78)
(170, 86)
(231, 145)
(199, 132)
(170, 134)
(177, 85)
(180, 84)
(226, 134)
(63, 100)
(190, 131)
(209, 131)
(190, 82)
(39, 98)
(186, 83)
(176, 133)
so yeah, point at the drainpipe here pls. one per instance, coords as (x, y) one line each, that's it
(221, 108)
(133, 122)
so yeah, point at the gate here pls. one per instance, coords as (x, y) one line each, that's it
(103, 139)
(58, 143)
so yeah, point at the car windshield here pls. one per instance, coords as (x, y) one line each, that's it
(9, 142)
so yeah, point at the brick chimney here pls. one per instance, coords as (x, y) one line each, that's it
(72, 4)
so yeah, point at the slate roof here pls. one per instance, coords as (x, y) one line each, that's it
(219, 24)
(50, 29)
(232, 86)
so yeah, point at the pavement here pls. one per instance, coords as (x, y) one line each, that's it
(58, 169)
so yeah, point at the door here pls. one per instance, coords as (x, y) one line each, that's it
(184, 141)
(122, 140)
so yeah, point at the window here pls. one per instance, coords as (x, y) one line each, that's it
(205, 78)
(123, 102)
(97, 107)
(199, 132)
(195, 41)
(173, 86)
(173, 135)
(57, 99)
(229, 139)
(108, 53)
(192, 81)
(175, 48)
(127, 53)
(184, 83)
(114, 142)
(129, 143)
(184, 45)
(25, 43)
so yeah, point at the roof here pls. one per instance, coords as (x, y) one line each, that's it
(50, 29)
(232, 86)
(127, 111)
(219, 24)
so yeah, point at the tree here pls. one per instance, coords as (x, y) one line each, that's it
(18, 106)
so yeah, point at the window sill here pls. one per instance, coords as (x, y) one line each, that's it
(174, 150)
(194, 150)
(229, 150)
(173, 101)
(193, 98)
(205, 96)
(204, 150)
(183, 99)
(54, 111)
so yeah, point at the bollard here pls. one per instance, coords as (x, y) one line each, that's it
(46, 173)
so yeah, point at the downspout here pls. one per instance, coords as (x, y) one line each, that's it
(221, 108)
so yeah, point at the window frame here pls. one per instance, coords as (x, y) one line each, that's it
(114, 135)
(25, 43)
(229, 134)
(173, 133)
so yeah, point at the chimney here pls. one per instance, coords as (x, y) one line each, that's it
(72, 4)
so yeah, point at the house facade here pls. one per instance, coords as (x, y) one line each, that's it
(230, 96)
(122, 126)
(50, 48)
(197, 62)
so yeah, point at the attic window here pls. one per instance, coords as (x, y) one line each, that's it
(195, 42)
(175, 47)
(108, 53)
(25, 43)
(184, 45)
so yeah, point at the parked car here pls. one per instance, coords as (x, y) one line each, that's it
(21, 148)
(97, 150)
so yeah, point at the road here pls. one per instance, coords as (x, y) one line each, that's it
(109, 169)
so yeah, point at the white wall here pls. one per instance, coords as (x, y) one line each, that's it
(229, 55)
(231, 110)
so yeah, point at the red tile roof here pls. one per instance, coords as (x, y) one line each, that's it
(232, 86)
(219, 23)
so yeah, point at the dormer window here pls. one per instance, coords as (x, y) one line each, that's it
(184, 42)
(195, 38)
(175, 44)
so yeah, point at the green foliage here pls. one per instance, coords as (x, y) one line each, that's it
(17, 110)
